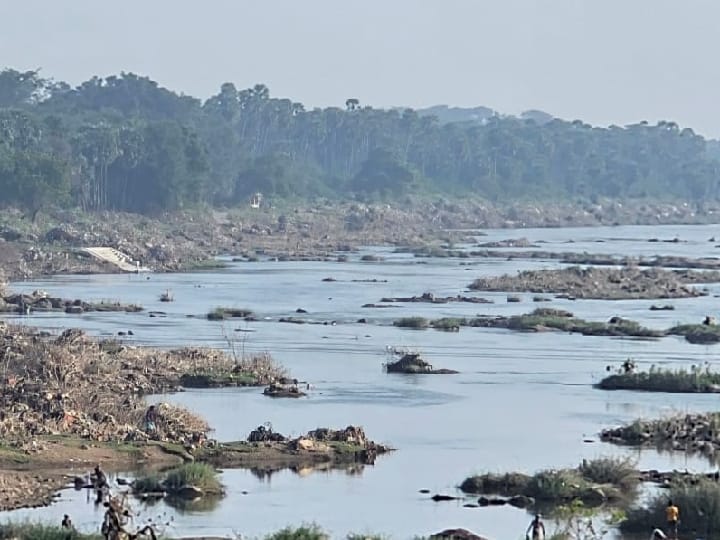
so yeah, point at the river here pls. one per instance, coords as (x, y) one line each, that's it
(521, 401)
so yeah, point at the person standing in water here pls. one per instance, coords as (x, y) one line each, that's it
(672, 514)
(536, 529)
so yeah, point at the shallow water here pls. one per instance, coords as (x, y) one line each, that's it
(521, 402)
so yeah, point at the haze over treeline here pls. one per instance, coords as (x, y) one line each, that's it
(126, 143)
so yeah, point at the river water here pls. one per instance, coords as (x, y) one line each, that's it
(521, 401)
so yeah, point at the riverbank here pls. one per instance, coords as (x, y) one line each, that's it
(190, 240)
(71, 402)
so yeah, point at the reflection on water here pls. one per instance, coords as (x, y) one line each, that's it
(520, 402)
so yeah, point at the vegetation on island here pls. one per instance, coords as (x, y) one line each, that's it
(124, 142)
(200, 478)
(695, 380)
(593, 482)
(699, 503)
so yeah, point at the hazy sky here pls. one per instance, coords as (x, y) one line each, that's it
(604, 61)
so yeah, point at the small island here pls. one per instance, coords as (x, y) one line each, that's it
(411, 363)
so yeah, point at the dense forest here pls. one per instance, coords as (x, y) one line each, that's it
(126, 143)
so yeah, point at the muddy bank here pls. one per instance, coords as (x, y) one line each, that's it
(627, 283)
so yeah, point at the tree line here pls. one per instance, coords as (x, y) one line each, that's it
(126, 143)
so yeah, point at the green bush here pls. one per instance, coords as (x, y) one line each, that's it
(699, 506)
(617, 471)
(448, 323)
(496, 484)
(200, 475)
(148, 484)
(664, 380)
(38, 531)
(697, 333)
(417, 323)
(222, 313)
(304, 532)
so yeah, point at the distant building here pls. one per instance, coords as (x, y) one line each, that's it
(256, 200)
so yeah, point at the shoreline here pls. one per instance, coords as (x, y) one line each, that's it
(187, 241)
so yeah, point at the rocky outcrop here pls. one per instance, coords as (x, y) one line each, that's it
(596, 283)
(430, 298)
(692, 433)
(411, 363)
(42, 301)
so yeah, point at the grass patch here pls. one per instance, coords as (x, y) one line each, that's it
(699, 505)
(174, 481)
(697, 333)
(617, 471)
(416, 323)
(200, 475)
(303, 532)
(448, 323)
(39, 531)
(593, 482)
(665, 380)
(204, 264)
(148, 484)
(544, 318)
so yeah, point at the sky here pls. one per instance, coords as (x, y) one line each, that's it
(602, 61)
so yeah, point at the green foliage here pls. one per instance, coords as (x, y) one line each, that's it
(697, 333)
(123, 142)
(417, 323)
(38, 531)
(304, 532)
(617, 471)
(665, 380)
(699, 506)
(199, 475)
(222, 313)
(448, 323)
(148, 484)
(593, 482)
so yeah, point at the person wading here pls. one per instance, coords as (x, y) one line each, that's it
(536, 529)
(672, 514)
